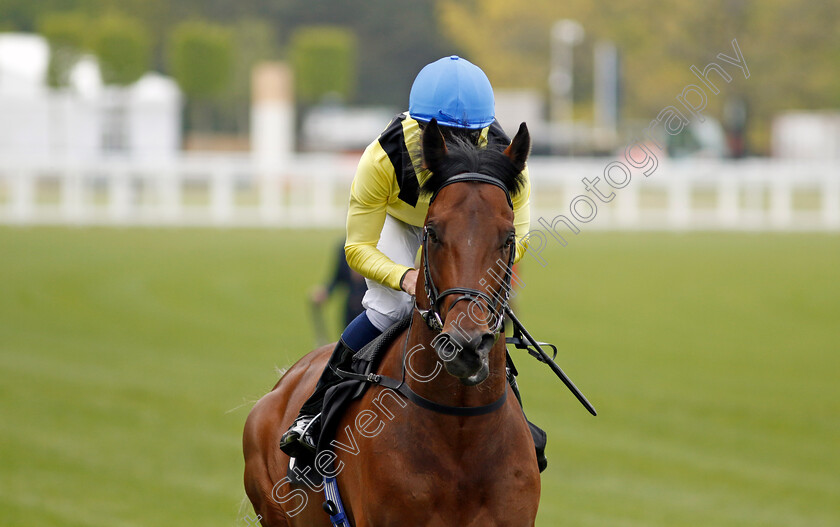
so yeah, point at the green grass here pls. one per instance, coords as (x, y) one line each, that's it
(129, 360)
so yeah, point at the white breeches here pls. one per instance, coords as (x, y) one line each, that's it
(400, 242)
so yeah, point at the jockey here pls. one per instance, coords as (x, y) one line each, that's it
(386, 214)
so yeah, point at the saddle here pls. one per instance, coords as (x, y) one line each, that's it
(340, 395)
(365, 361)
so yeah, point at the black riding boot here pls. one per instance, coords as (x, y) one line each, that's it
(537, 433)
(302, 436)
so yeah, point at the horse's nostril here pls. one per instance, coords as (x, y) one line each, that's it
(452, 345)
(486, 342)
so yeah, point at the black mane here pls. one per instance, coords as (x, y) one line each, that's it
(463, 156)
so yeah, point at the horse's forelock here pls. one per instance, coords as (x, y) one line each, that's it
(462, 156)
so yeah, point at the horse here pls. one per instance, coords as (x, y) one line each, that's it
(449, 447)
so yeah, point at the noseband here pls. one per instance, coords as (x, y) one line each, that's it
(497, 303)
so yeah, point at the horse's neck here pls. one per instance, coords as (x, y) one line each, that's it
(426, 374)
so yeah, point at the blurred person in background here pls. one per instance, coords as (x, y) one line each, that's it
(387, 212)
(342, 277)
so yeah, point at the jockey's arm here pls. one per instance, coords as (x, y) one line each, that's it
(522, 215)
(369, 196)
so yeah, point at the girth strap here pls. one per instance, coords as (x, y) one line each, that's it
(333, 504)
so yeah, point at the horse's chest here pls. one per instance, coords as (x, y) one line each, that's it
(437, 489)
(433, 501)
(419, 472)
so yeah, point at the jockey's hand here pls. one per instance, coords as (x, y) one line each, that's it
(409, 281)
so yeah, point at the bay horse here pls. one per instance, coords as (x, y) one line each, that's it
(459, 452)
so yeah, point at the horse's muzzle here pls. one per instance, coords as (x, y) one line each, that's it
(465, 356)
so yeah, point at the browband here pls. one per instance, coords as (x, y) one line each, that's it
(474, 176)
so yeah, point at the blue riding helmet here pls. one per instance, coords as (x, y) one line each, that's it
(455, 92)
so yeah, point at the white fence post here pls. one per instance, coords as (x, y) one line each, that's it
(627, 213)
(269, 185)
(679, 201)
(221, 195)
(322, 195)
(727, 200)
(830, 190)
(171, 199)
(72, 195)
(119, 195)
(781, 201)
(22, 195)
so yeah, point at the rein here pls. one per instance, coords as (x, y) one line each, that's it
(498, 304)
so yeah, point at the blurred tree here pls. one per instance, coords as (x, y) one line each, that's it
(512, 47)
(791, 48)
(255, 42)
(25, 15)
(156, 15)
(123, 47)
(201, 60)
(324, 62)
(67, 34)
(395, 39)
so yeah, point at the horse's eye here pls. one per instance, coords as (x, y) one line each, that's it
(433, 237)
(510, 241)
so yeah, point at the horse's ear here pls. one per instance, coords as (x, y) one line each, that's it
(434, 146)
(520, 147)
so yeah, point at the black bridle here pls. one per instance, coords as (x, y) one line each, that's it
(497, 303)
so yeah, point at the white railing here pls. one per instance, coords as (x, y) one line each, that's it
(311, 191)
(754, 194)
